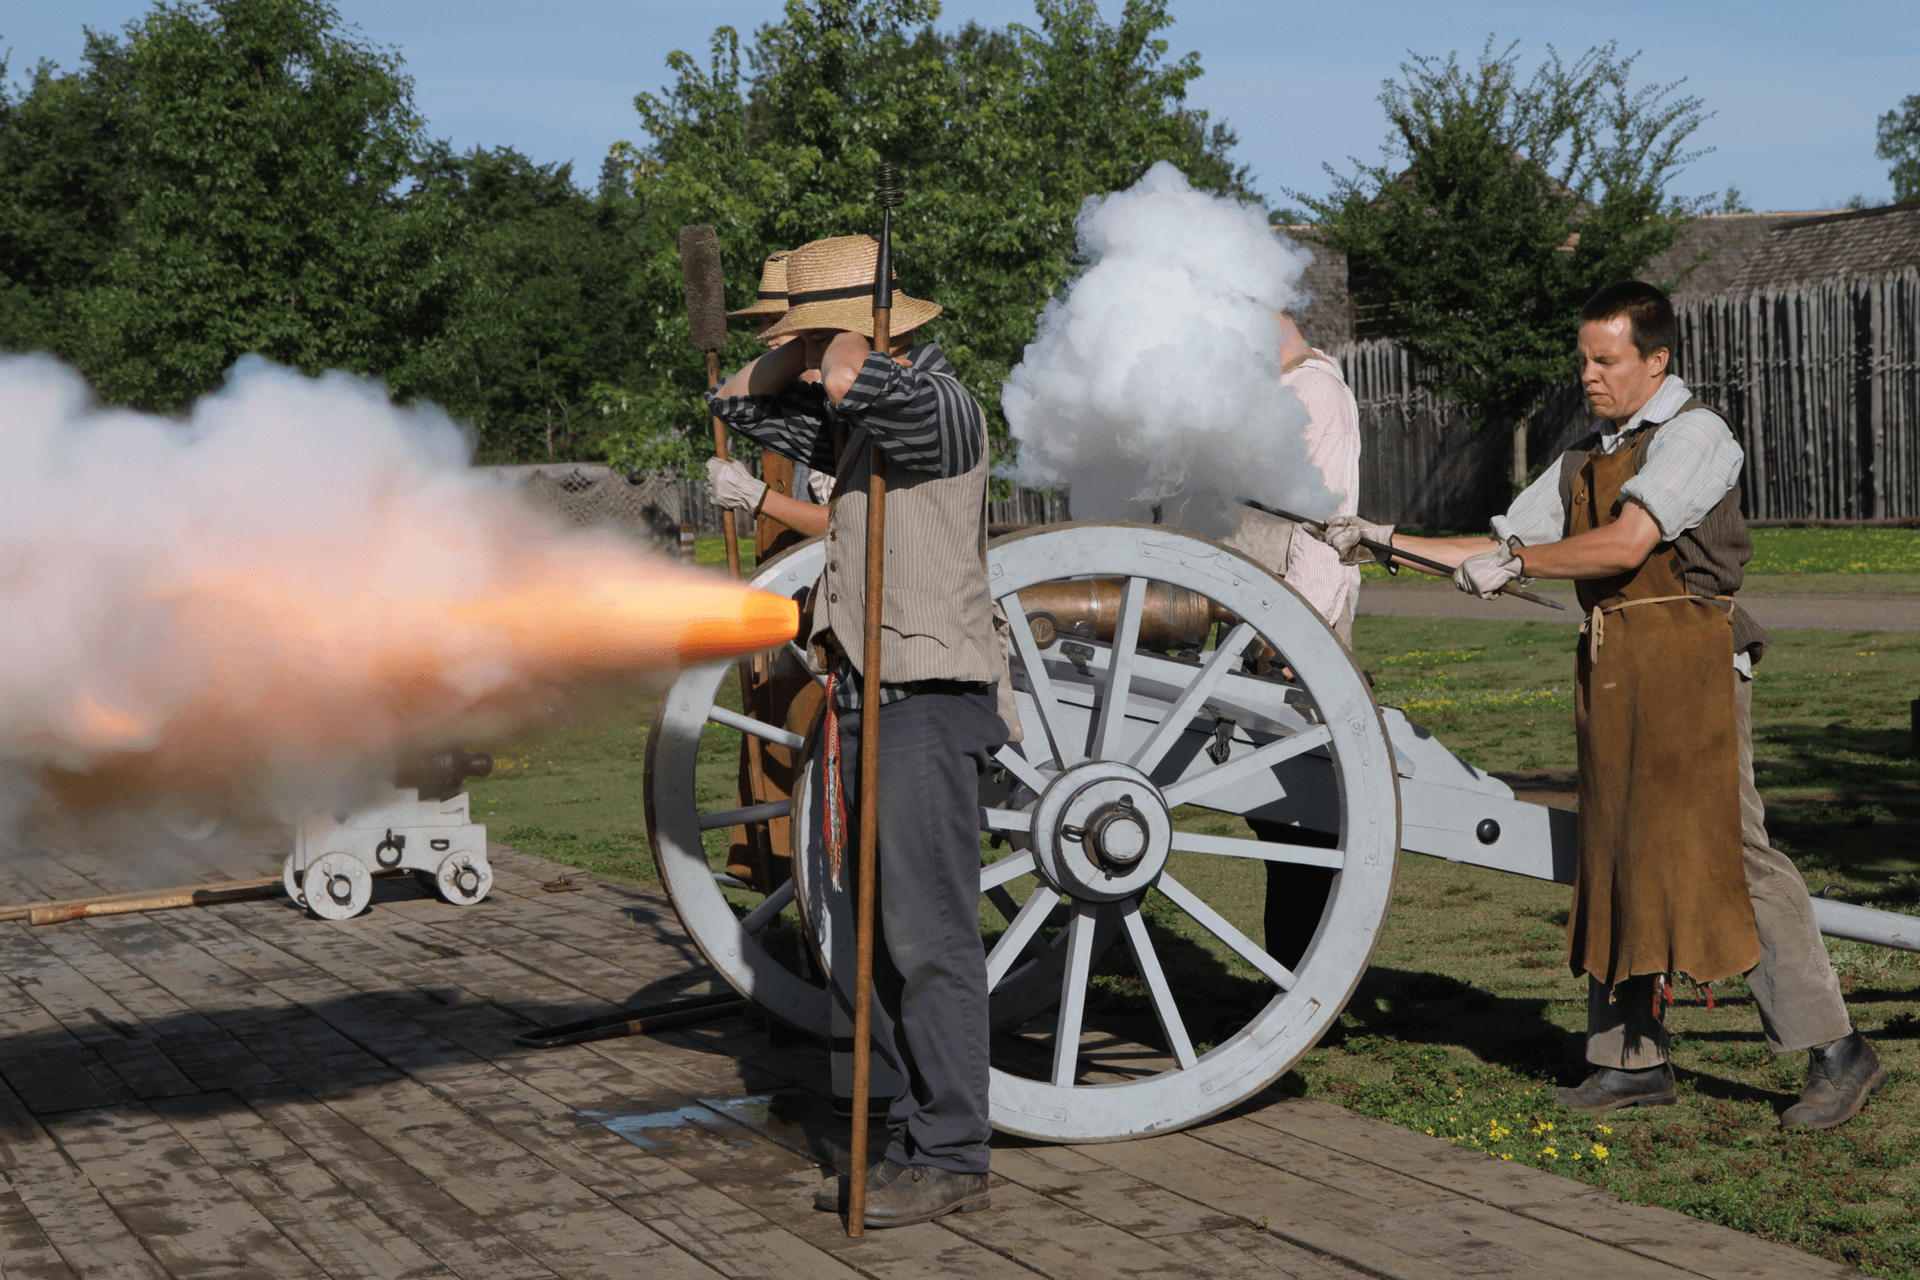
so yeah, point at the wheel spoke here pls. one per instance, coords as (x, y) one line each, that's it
(1039, 683)
(758, 728)
(1011, 867)
(1022, 768)
(1217, 925)
(746, 813)
(1273, 753)
(1005, 819)
(1026, 924)
(806, 664)
(1229, 846)
(1218, 665)
(1109, 728)
(1003, 903)
(757, 919)
(1148, 963)
(1073, 993)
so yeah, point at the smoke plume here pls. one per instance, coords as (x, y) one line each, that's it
(297, 580)
(1155, 379)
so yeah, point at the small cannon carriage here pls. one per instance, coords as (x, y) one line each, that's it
(1159, 675)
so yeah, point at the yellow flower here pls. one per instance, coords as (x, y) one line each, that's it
(1506, 1155)
(1549, 1153)
(1599, 1152)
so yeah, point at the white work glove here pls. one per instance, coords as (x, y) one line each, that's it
(822, 485)
(1483, 575)
(731, 485)
(1343, 534)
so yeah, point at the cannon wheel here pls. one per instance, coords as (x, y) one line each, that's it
(1119, 736)
(675, 825)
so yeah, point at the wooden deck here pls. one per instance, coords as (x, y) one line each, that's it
(243, 1091)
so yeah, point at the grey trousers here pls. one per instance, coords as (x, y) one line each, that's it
(930, 976)
(1794, 983)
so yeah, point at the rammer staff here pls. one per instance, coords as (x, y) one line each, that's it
(1388, 553)
(888, 195)
(707, 327)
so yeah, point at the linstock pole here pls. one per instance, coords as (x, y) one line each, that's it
(887, 195)
(720, 451)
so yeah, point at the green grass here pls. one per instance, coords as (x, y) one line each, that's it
(1835, 551)
(1469, 1016)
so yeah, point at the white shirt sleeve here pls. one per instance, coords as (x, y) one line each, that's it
(1691, 463)
(1333, 446)
(1538, 516)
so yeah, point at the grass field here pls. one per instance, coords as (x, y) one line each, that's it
(1467, 1018)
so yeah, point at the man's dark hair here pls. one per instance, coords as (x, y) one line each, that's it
(1649, 316)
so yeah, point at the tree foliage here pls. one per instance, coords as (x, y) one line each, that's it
(250, 176)
(999, 134)
(217, 181)
(1899, 142)
(1501, 205)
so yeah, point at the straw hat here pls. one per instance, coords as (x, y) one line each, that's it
(830, 286)
(773, 289)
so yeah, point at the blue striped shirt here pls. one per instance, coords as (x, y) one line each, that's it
(922, 419)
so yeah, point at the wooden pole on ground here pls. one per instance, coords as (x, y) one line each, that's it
(887, 195)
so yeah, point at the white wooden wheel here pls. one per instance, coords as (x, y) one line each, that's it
(463, 879)
(338, 886)
(1117, 740)
(675, 822)
(290, 879)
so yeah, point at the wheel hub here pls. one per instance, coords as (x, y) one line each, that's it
(1101, 831)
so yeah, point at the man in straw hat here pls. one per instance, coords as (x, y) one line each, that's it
(945, 673)
(731, 485)
(1675, 871)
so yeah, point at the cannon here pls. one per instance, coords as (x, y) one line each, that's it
(420, 824)
(1168, 687)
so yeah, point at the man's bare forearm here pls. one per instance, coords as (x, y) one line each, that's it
(806, 517)
(770, 374)
(1448, 551)
(1598, 553)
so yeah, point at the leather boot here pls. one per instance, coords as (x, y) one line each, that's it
(1839, 1082)
(1611, 1089)
(924, 1193)
(834, 1192)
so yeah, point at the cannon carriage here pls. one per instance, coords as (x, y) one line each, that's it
(1170, 691)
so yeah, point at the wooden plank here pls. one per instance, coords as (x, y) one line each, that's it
(1061, 1242)
(1660, 1234)
(68, 1212)
(188, 1216)
(25, 1251)
(1416, 1241)
(344, 1237)
(1250, 1252)
(1135, 1206)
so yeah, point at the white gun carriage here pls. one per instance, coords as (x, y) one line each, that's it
(1180, 678)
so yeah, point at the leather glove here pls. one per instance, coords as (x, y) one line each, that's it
(822, 485)
(730, 484)
(1483, 575)
(1343, 534)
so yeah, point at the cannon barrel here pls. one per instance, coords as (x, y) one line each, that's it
(1089, 609)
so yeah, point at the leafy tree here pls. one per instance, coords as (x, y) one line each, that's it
(220, 180)
(1899, 141)
(545, 309)
(1502, 204)
(999, 134)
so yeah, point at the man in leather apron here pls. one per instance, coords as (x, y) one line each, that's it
(1675, 872)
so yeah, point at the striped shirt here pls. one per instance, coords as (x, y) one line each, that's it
(1691, 464)
(921, 417)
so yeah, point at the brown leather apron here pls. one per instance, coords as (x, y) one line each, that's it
(1661, 884)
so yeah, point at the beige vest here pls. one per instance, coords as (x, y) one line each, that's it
(937, 621)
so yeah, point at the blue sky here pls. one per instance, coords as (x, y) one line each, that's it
(1796, 89)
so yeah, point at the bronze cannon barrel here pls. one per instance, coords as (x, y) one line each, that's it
(1089, 609)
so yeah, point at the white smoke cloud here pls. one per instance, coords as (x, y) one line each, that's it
(266, 600)
(1155, 379)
